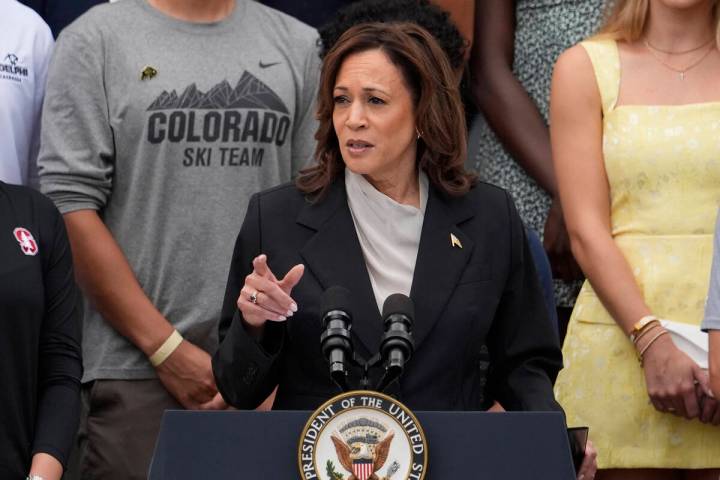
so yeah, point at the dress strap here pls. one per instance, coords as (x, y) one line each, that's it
(606, 63)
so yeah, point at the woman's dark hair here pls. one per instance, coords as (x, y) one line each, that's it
(438, 110)
(421, 12)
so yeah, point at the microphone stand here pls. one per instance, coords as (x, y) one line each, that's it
(366, 366)
(391, 373)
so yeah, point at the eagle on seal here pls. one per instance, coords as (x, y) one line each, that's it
(350, 456)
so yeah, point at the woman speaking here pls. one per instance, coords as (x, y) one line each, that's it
(388, 208)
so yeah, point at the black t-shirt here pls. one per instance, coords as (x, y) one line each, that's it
(40, 357)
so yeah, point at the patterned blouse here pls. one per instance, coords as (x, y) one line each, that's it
(544, 29)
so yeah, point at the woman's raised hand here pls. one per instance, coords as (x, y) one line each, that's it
(264, 297)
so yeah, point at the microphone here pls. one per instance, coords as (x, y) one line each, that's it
(335, 339)
(396, 346)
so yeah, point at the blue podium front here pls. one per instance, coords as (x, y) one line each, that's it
(263, 445)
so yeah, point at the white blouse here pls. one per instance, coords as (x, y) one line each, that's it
(389, 234)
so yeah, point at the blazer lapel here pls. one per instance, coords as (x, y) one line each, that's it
(334, 257)
(439, 263)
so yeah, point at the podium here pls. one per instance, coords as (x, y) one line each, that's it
(263, 445)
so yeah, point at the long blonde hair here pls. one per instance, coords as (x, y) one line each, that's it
(626, 20)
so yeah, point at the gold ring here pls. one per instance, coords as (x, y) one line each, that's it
(253, 297)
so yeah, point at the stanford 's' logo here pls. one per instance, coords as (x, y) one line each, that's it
(27, 242)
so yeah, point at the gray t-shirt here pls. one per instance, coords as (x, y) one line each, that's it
(166, 128)
(712, 306)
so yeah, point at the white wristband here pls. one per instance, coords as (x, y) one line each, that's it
(166, 349)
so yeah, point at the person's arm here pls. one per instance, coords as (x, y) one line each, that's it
(506, 105)
(60, 357)
(524, 350)
(42, 53)
(576, 130)
(525, 355)
(515, 119)
(711, 320)
(107, 279)
(77, 166)
(244, 363)
(715, 362)
(252, 335)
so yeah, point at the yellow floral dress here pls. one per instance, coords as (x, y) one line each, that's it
(663, 168)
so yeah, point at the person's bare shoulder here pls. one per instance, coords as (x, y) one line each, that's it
(574, 81)
(574, 77)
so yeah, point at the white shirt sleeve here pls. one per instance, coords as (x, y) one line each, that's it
(42, 53)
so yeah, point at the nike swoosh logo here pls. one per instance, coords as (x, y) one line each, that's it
(266, 65)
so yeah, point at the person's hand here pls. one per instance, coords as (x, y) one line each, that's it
(496, 407)
(671, 376)
(709, 405)
(588, 469)
(263, 297)
(557, 245)
(46, 466)
(187, 375)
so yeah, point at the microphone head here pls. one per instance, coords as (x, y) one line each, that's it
(335, 298)
(397, 303)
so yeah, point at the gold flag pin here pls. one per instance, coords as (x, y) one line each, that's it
(147, 73)
(454, 242)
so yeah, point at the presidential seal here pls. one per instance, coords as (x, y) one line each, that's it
(362, 435)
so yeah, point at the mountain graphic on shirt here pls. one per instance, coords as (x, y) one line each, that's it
(249, 92)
